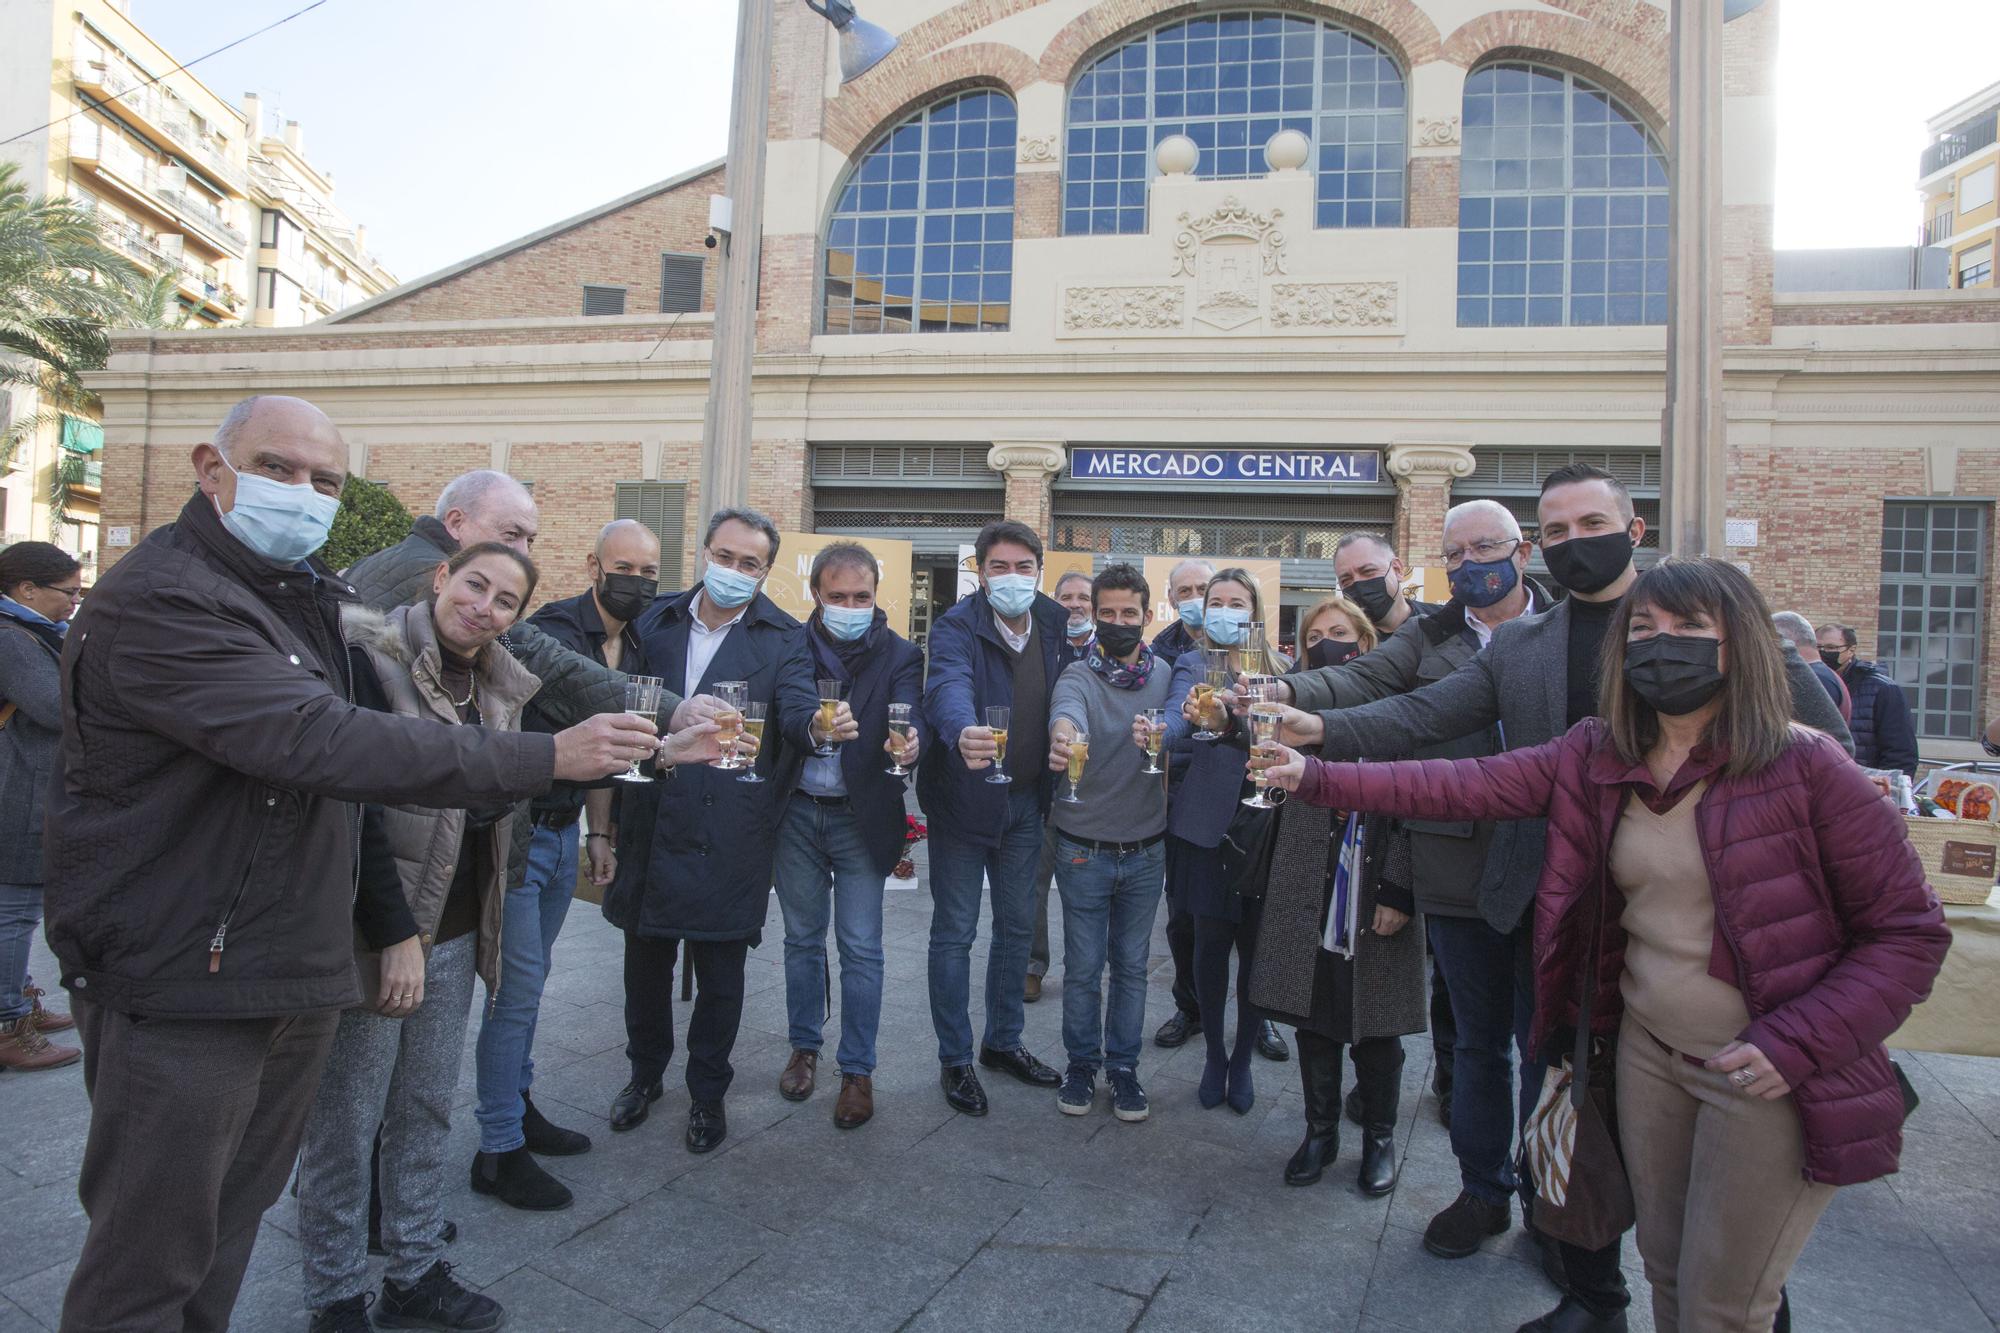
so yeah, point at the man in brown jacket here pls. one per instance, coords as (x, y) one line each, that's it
(201, 858)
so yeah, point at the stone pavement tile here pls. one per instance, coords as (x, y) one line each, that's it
(276, 1301)
(1412, 1288)
(51, 1222)
(1873, 1209)
(1158, 1160)
(13, 1184)
(1851, 1284)
(13, 1319)
(1943, 1110)
(534, 1300)
(701, 1319)
(782, 1183)
(927, 1203)
(53, 1101)
(1005, 1291)
(834, 1278)
(1090, 1232)
(493, 1239)
(1937, 1159)
(40, 1294)
(1266, 1272)
(902, 1120)
(1960, 1219)
(1022, 1141)
(1972, 1081)
(659, 1256)
(275, 1249)
(568, 1032)
(632, 1164)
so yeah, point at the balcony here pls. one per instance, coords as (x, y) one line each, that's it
(1962, 141)
(150, 105)
(201, 283)
(1938, 229)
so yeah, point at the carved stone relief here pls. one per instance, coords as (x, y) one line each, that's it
(1439, 133)
(1033, 152)
(1320, 305)
(1115, 308)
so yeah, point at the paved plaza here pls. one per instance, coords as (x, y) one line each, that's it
(1027, 1219)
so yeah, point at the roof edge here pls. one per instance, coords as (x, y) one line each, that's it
(518, 243)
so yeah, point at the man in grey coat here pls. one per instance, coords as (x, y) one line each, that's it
(1537, 678)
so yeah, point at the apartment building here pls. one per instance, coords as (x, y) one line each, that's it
(1958, 176)
(184, 184)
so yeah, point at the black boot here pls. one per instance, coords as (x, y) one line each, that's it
(1319, 1072)
(1573, 1316)
(1379, 1073)
(518, 1180)
(546, 1138)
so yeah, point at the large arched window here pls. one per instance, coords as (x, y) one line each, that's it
(1562, 215)
(923, 237)
(1229, 82)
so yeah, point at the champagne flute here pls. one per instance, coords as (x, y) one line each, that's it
(731, 694)
(1156, 735)
(1264, 719)
(831, 692)
(1218, 676)
(753, 725)
(1079, 754)
(905, 731)
(996, 722)
(642, 699)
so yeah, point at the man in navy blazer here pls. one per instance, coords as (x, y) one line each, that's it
(842, 831)
(1003, 646)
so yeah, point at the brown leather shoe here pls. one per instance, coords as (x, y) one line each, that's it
(796, 1083)
(857, 1101)
(48, 1020)
(1031, 990)
(22, 1046)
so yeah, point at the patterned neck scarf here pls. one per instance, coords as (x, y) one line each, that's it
(1118, 675)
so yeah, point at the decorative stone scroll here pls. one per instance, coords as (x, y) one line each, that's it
(1441, 132)
(1324, 305)
(1034, 152)
(1232, 221)
(1115, 308)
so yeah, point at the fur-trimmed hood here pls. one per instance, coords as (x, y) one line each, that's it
(406, 638)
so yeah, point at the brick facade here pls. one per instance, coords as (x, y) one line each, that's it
(1434, 191)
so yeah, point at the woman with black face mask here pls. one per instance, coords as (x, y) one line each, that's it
(1342, 978)
(1733, 914)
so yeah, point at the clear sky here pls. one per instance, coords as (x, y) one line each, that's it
(449, 136)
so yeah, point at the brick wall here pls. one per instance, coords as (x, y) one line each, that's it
(1744, 243)
(1913, 309)
(621, 248)
(1434, 192)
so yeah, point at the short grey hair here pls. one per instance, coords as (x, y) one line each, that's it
(1791, 625)
(1484, 508)
(844, 555)
(1174, 574)
(234, 424)
(468, 491)
(1372, 538)
(1073, 574)
(753, 518)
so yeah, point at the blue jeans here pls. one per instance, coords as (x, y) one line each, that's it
(956, 868)
(20, 913)
(534, 917)
(1491, 980)
(1109, 900)
(820, 849)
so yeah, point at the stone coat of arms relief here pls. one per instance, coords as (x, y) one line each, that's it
(1229, 252)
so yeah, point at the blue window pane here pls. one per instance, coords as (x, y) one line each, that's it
(1472, 314)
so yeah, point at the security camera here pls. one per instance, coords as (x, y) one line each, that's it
(709, 240)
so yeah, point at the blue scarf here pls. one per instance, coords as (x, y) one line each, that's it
(50, 632)
(1118, 675)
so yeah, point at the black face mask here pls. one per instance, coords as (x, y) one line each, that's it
(1331, 653)
(626, 595)
(1674, 673)
(1119, 641)
(1831, 656)
(1590, 564)
(1375, 596)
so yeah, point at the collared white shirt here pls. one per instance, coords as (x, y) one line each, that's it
(1484, 632)
(704, 643)
(1017, 642)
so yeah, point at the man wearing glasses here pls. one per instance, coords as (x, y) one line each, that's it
(696, 846)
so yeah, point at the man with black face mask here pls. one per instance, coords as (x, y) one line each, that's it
(624, 574)
(1371, 575)
(1537, 678)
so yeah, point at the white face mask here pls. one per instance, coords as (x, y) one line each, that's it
(282, 523)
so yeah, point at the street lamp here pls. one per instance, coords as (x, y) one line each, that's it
(737, 220)
(1694, 427)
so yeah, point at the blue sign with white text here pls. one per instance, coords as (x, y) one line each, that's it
(1340, 467)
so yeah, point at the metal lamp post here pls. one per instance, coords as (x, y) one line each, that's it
(736, 218)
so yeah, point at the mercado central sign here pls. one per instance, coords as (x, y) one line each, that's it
(1325, 466)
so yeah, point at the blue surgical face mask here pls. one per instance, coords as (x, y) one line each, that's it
(1011, 594)
(1478, 584)
(727, 587)
(1225, 625)
(846, 623)
(1191, 613)
(282, 523)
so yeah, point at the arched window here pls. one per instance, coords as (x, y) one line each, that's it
(1229, 82)
(1562, 214)
(923, 237)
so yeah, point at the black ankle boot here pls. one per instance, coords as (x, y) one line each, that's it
(1322, 1145)
(1379, 1083)
(1378, 1160)
(518, 1180)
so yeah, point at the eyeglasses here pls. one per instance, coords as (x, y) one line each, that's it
(1483, 552)
(742, 564)
(74, 594)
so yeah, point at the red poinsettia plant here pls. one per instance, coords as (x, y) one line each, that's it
(914, 832)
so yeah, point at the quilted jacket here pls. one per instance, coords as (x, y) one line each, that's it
(1823, 917)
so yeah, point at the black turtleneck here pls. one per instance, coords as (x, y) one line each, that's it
(1587, 622)
(461, 904)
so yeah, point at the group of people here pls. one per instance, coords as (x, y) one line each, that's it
(292, 814)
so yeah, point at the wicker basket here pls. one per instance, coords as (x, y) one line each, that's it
(1961, 856)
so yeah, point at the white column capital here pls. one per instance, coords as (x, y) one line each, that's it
(1429, 462)
(1030, 458)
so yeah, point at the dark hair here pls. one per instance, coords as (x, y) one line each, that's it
(844, 555)
(1755, 719)
(39, 563)
(1356, 538)
(1122, 577)
(1005, 530)
(1847, 635)
(752, 518)
(466, 555)
(1582, 472)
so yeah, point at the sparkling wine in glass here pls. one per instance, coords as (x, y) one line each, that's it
(905, 731)
(731, 694)
(831, 692)
(753, 727)
(996, 721)
(1264, 719)
(1217, 675)
(1079, 754)
(1156, 736)
(642, 699)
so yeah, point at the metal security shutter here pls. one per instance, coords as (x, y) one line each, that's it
(680, 284)
(935, 496)
(603, 300)
(1220, 524)
(661, 506)
(1514, 478)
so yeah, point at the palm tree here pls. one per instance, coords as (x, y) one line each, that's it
(61, 288)
(155, 303)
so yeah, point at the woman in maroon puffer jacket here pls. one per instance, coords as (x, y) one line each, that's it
(1766, 926)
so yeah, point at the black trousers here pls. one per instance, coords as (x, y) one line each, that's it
(194, 1126)
(718, 1010)
(1180, 943)
(1444, 1028)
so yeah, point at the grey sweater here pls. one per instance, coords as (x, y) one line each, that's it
(31, 680)
(1121, 803)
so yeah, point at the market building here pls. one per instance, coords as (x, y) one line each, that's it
(1168, 278)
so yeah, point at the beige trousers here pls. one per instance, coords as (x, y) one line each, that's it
(1718, 1178)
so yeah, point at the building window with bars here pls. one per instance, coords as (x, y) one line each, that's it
(680, 283)
(661, 506)
(1933, 611)
(603, 300)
